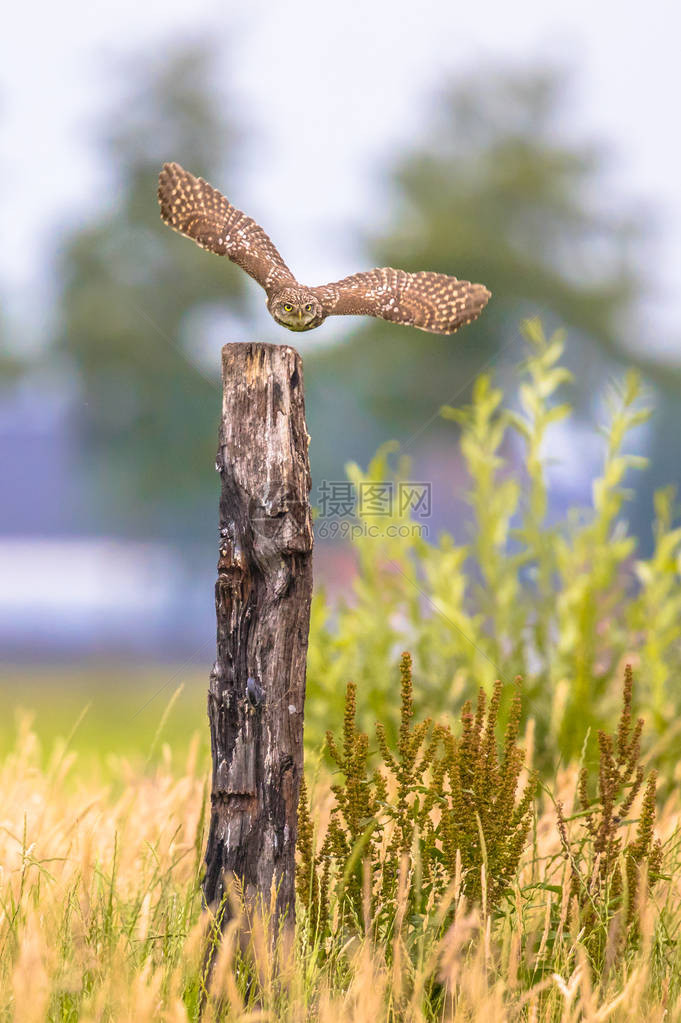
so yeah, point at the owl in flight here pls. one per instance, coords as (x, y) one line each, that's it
(429, 301)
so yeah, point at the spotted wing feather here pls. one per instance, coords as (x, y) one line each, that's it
(430, 301)
(194, 208)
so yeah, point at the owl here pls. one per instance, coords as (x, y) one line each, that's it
(430, 301)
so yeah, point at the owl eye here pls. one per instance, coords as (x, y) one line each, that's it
(308, 307)
(287, 307)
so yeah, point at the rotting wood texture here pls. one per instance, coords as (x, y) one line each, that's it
(262, 600)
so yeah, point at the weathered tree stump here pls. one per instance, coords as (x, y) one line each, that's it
(262, 601)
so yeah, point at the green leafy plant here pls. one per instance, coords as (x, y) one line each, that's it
(437, 833)
(607, 861)
(440, 809)
(562, 601)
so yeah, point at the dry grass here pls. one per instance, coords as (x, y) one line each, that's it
(100, 919)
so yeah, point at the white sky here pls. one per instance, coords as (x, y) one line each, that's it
(332, 90)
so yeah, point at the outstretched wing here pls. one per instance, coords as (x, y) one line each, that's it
(430, 301)
(194, 208)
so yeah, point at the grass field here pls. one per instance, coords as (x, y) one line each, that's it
(100, 916)
(493, 893)
(108, 711)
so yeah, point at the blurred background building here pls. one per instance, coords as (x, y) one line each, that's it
(529, 147)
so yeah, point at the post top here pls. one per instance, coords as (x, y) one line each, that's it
(267, 346)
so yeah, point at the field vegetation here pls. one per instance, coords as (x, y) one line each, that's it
(489, 828)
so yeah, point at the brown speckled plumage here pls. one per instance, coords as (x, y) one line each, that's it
(430, 301)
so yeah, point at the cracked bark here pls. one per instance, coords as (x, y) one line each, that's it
(262, 601)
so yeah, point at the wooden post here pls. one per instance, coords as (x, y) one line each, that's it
(262, 601)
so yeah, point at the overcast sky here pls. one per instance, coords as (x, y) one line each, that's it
(332, 91)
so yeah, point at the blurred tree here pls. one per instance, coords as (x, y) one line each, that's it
(495, 194)
(12, 365)
(132, 291)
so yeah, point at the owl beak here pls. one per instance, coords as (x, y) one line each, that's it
(300, 314)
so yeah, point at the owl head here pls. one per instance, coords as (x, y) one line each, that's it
(296, 308)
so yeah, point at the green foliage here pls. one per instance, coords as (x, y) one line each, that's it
(561, 602)
(442, 823)
(101, 915)
(484, 818)
(606, 862)
(655, 618)
(493, 192)
(441, 811)
(137, 302)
